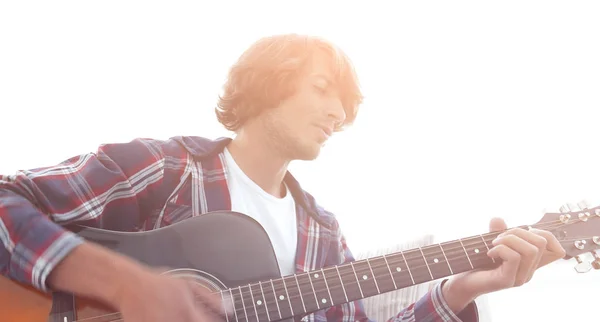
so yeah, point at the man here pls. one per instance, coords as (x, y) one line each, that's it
(284, 98)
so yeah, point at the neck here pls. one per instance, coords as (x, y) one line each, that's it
(314, 290)
(260, 162)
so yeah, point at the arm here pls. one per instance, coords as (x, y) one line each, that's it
(432, 307)
(118, 185)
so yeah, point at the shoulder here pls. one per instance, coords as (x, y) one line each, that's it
(142, 145)
(177, 146)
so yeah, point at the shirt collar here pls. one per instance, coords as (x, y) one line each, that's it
(202, 148)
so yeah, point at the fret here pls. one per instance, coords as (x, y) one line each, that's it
(486, 246)
(426, 264)
(446, 258)
(311, 303)
(407, 268)
(477, 250)
(457, 256)
(224, 301)
(274, 299)
(381, 271)
(320, 287)
(281, 295)
(298, 298)
(357, 280)
(374, 276)
(390, 270)
(437, 261)
(234, 304)
(466, 253)
(350, 282)
(266, 300)
(312, 286)
(287, 294)
(258, 303)
(242, 299)
(324, 277)
(417, 266)
(335, 285)
(368, 285)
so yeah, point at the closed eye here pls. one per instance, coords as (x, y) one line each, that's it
(321, 89)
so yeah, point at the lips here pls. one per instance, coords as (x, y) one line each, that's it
(327, 130)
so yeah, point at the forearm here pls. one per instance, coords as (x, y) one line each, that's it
(106, 187)
(95, 272)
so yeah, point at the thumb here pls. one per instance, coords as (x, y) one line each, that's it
(497, 224)
(221, 304)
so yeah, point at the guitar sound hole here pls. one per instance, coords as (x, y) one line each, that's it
(203, 279)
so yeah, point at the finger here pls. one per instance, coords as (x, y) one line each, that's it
(208, 315)
(509, 268)
(497, 224)
(553, 246)
(530, 236)
(536, 240)
(529, 255)
(213, 301)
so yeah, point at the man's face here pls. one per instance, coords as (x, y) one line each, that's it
(303, 122)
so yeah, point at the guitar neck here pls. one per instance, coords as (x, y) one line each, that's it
(308, 292)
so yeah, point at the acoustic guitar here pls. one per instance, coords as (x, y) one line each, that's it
(230, 254)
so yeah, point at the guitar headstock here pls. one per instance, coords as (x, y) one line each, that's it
(577, 228)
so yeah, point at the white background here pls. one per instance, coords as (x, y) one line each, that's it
(473, 109)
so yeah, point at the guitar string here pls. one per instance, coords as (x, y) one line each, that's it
(460, 250)
(238, 305)
(337, 287)
(244, 314)
(453, 250)
(241, 312)
(392, 259)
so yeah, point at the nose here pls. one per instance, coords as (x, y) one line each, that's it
(336, 111)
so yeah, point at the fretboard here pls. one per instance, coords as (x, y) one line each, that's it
(308, 292)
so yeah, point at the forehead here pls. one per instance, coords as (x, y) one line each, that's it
(322, 66)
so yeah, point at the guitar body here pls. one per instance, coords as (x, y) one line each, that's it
(219, 250)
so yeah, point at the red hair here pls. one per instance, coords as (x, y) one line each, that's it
(267, 73)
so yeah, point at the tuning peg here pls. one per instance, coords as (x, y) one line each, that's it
(565, 209)
(582, 267)
(583, 204)
(596, 262)
(568, 207)
(573, 206)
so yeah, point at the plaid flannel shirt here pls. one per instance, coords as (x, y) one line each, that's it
(145, 184)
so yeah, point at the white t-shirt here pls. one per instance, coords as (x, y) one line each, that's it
(276, 215)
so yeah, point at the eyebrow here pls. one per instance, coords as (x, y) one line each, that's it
(325, 78)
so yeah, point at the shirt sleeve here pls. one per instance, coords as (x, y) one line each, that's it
(431, 307)
(119, 181)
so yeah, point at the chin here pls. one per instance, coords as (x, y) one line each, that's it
(308, 153)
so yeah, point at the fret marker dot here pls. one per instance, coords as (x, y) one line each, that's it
(259, 302)
(324, 300)
(435, 260)
(398, 269)
(281, 297)
(476, 250)
(316, 275)
(365, 277)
